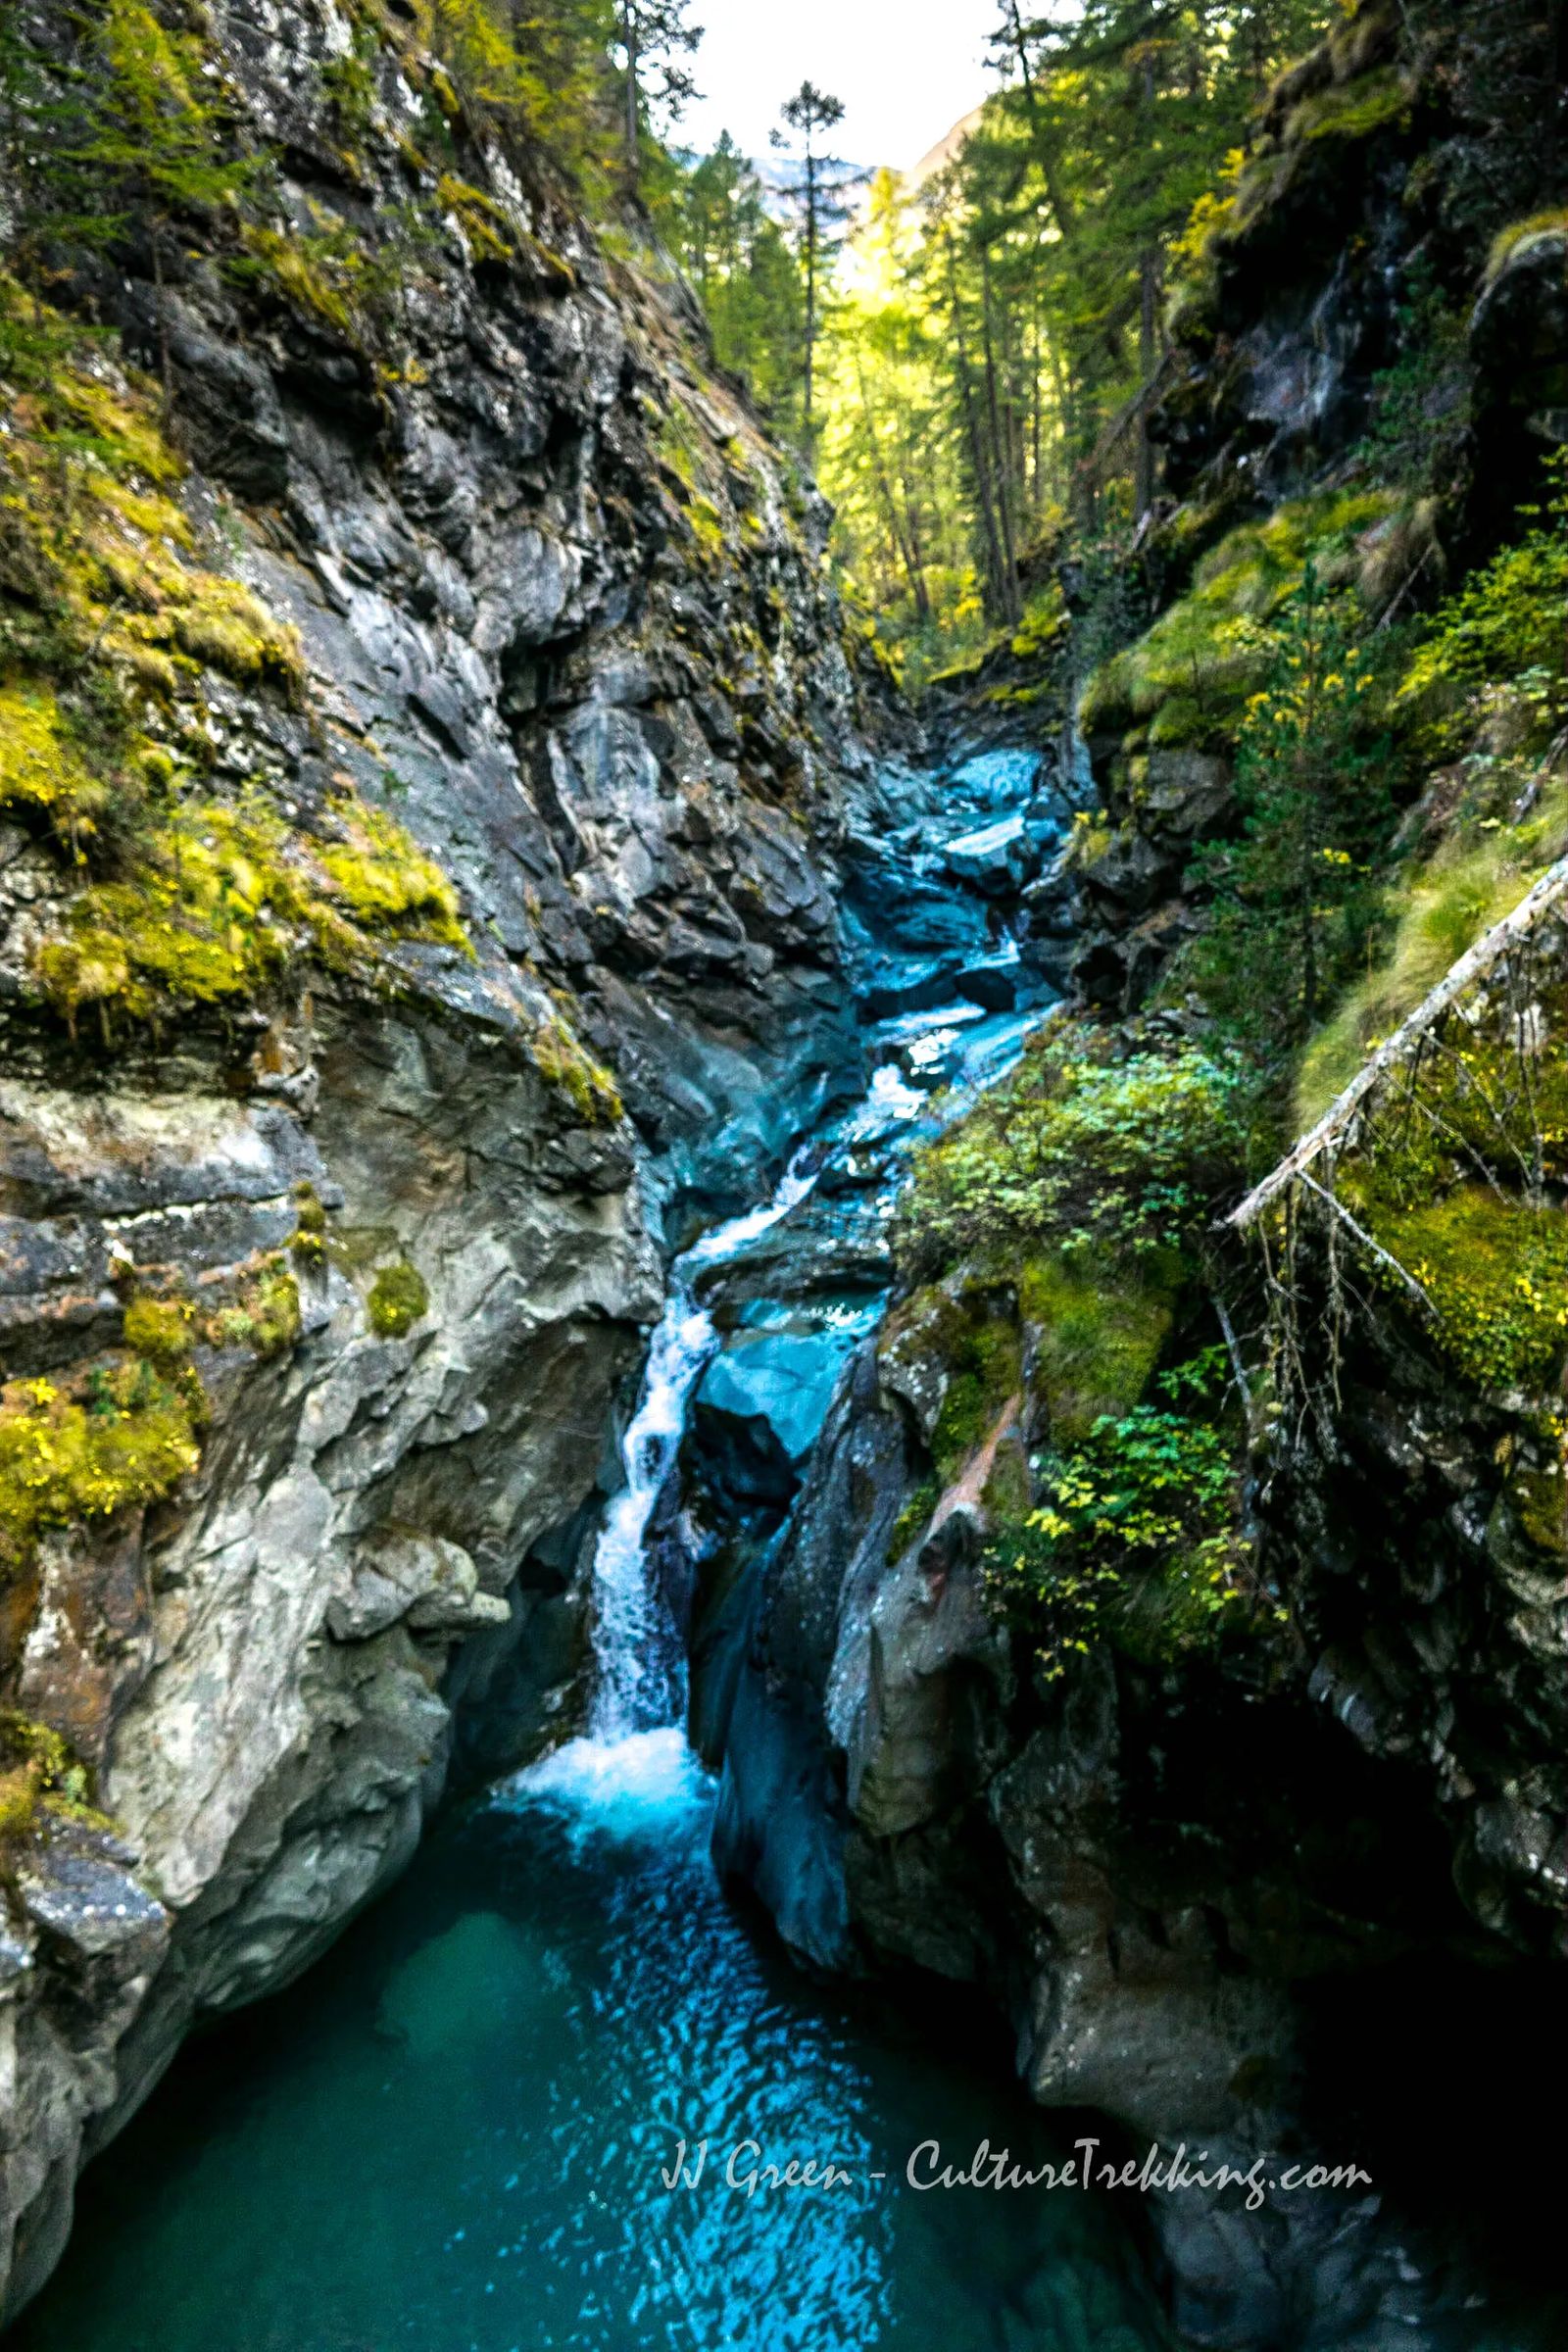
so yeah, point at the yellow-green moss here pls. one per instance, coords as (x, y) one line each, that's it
(40, 1778)
(1046, 622)
(161, 1329)
(565, 1063)
(1476, 878)
(1510, 243)
(226, 899)
(385, 882)
(985, 1365)
(1187, 680)
(311, 282)
(265, 1315)
(1495, 1269)
(1098, 1334)
(478, 216)
(221, 623)
(127, 1438)
(40, 766)
(398, 1301)
(913, 1519)
(309, 1244)
(1349, 110)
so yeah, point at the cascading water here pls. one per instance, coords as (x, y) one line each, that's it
(458, 2134)
(639, 1669)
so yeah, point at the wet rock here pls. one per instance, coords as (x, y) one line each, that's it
(760, 1410)
(996, 859)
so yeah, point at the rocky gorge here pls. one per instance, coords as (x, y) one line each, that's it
(554, 871)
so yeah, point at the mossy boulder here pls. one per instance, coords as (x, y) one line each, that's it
(1096, 1333)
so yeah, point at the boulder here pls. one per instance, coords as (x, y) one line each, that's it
(997, 861)
(760, 1410)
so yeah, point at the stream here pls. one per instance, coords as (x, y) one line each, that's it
(455, 2134)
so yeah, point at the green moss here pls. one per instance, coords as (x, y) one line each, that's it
(565, 1063)
(1495, 1269)
(383, 882)
(1538, 1499)
(914, 1518)
(309, 1244)
(398, 1301)
(127, 1438)
(985, 1369)
(1351, 110)
(221, 623)
(40, 766)
(1210, 652)
(1008, 1489)
(40, 1779)
(1470, 884)
(1100, 1328)
(160, 1329)
(306, 273)
(1514, 242)
(264, 1316)
(1044, 626)
(226, 899)
(480, 219)
(707, 526)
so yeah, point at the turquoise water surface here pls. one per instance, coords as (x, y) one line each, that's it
(450, 2137)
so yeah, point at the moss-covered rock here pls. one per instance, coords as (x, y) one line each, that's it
(1186, 682)
(119, 1437)
(1096, 1333)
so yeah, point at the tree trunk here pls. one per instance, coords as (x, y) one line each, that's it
(633, 141)
(1148, 362)
(999, 454)
(810, 295)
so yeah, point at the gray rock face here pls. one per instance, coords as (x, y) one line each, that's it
(634, 753)
(259, 1667)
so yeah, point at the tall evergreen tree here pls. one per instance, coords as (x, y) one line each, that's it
(655, 36)
(818, 186)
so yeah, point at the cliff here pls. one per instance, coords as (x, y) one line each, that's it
(426, 732)
(1219, 1743)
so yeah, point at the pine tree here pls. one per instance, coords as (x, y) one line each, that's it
(741, 264)
(160, 144)
(818, 189)
(654, 38)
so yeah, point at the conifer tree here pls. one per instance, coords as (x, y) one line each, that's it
(818, 189)
(160, 143)
(655, 36)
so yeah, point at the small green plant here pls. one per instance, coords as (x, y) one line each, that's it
(1507, 623)
(398, 1301)
(1132, 1542)
(40, 1779)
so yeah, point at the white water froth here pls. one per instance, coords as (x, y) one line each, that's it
(643, 1788)
(639, 1671)
(632, 1770)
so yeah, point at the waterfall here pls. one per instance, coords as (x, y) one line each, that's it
(639, 1666)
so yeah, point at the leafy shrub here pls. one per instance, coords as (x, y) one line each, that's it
(1134, 1542)
(1507, 623)
(1076, 1148)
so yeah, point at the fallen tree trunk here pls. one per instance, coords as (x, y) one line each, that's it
(1471, 967)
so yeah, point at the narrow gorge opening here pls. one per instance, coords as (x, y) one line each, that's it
(783, 1174)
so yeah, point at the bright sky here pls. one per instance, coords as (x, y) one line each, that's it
(905, 70)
